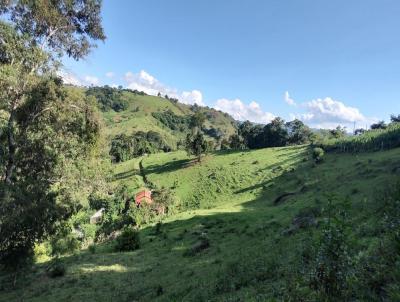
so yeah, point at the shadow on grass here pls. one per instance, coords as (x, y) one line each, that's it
(160, 271)
(126, 174)
(168, 167)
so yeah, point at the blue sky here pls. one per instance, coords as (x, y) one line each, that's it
(326, 62)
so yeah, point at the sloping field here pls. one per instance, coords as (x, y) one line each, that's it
(244, 203)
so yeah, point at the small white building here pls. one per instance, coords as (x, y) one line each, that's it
(97, 217)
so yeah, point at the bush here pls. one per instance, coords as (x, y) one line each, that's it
(318, 154)
(64, 242)
(56, 269)
(92, 249)
(129, 240)
(333, 266)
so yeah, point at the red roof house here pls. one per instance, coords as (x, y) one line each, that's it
(143, 196)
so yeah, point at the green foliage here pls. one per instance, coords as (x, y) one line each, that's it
(197, 120)
(333, 264)
(56, 269)
(92, 249)
(49, 131)
(249, 257)
(196, 145)
(236, 142)
(372, 140)
(108, 98)
(128, 240)
(318, 154)
(64, 241)
(338, 132)
(124, 147)
(173, 121)
(63, 26)
(275, 134)
(379, 125)
(298, 133)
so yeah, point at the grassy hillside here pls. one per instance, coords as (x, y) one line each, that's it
(236, 200)
(138, 117)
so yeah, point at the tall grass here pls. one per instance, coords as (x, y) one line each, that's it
(372, 140)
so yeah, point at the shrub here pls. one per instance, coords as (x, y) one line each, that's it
(42, 251)
(318, 154)
(92, 249)
(56, 269)
(333, 268)
(129, 240)
(64, 242)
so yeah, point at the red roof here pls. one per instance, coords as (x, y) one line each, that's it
(145, 194)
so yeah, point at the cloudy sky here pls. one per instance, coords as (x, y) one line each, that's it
(325, 62)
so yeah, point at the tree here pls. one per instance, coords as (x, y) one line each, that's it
(196, 145)
(245, 131)
(50, 133)
(359, 131)
(59, 27)
(394, 118)
(338, 132)
(379, 125)
(43, 31)
(298, 132)
(196, 121)
(53, 166)
(236, 142)
(275, 133)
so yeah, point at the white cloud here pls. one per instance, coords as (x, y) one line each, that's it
(91, 80)
(144, 81)
(241, 111)
(110, 74)
(328, 113)
(192, 97)
(288, 99)
(69, 78)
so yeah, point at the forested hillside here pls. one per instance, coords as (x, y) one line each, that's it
(133, 111)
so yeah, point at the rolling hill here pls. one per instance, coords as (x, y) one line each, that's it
(139, 117)
(261, 212)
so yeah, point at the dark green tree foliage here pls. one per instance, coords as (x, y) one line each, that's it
(125, 147)
(236, 142)
(275, 134)
(298, 132)
(56, 131)
(173, 121)
(48, 131)
(196, 145)
(108, 98)
(338, 132)
(395, 118)
(129, 240)
(196, 121)
(379, 125)
(359, 131)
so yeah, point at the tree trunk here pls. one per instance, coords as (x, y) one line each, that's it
(11, 147)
